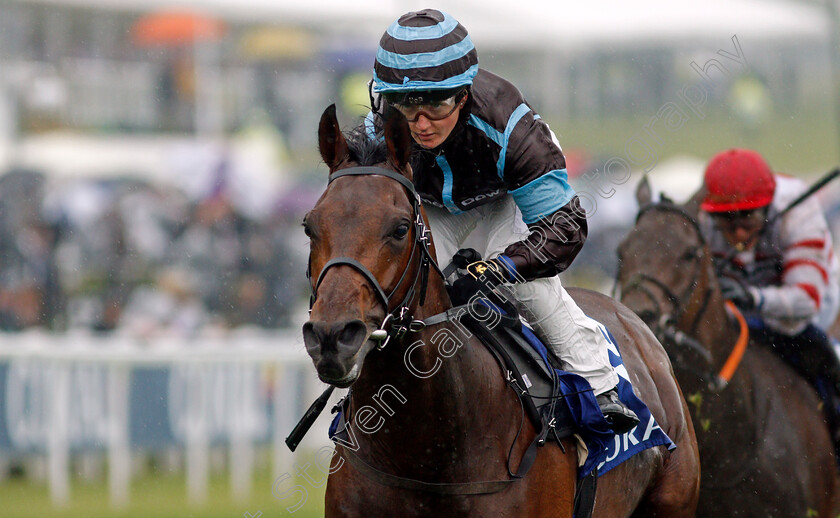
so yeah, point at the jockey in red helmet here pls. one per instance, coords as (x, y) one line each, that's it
(781, 271)
(491, 173)
(739, 188)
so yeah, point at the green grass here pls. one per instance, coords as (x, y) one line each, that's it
(796, 143)
(161, 496)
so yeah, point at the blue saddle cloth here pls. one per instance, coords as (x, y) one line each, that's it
(606, 449)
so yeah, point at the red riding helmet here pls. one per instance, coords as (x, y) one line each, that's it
(738, 179)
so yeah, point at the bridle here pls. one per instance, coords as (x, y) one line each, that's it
(398, 320)
(638, 281)
(665, 327)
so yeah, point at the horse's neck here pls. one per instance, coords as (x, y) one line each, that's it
(709, 322)
(427, 389)
(717, 331)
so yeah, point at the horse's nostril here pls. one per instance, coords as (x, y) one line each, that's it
(312, 335)
(332, 336)
(353, 334)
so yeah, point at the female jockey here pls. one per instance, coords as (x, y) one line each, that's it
(780, 270)
(493, 178)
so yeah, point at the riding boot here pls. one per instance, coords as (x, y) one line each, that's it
(617, 414)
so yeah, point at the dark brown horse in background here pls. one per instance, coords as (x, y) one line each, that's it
(437, 428)
(764, 446)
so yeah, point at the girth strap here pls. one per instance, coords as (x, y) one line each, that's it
(440, 488)
(585, 495)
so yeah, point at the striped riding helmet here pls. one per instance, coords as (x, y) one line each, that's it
(424, 50)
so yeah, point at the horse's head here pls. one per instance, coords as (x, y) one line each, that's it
(366, 247)
(663, 260)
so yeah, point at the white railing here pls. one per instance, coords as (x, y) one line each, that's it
(77, 392)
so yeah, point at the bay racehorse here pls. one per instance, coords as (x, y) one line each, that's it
(437, 428)
(765, 449)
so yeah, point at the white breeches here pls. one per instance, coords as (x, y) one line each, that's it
(574, 337)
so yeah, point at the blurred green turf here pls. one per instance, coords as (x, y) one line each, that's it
(162, 496)
(803, 142)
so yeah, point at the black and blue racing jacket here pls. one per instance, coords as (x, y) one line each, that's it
(501, 147)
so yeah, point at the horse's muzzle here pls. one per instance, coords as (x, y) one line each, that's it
(334, 348)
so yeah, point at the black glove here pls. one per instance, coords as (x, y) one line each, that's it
(482, 276)
(464, 257)
(492, 272)
(738, 292)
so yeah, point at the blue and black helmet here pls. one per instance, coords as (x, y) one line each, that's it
(424, 51)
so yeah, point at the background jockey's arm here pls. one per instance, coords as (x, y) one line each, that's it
(535, 171)
(807, 248)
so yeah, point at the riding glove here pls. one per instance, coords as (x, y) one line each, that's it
(742, 295)
(482, 276)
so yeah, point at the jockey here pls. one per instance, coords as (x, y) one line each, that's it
(781, 271)
(493, 178)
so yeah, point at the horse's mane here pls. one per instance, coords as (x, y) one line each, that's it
(369, 150)
(364, 150)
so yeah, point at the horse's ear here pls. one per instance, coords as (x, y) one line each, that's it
(643, 192)
(398, 140)
(331, 141)
(692, 206)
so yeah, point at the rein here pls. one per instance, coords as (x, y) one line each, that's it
(740, 347)
(666, 325)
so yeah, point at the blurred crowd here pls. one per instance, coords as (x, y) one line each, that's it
(126, 254)
(217, 251)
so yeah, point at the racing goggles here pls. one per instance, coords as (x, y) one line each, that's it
(433, 109)
(749, 220)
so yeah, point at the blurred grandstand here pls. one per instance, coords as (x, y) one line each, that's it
(153, 144)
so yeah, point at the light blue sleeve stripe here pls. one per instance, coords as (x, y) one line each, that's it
(409, 86)
(494, 134)
(513, 120)
(424, 59)
(423, 33)
(543, 196)
(447, 185)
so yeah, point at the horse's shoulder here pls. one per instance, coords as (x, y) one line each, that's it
(772, 376)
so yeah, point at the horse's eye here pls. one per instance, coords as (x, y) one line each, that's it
(401, 231)
(690, 255)
(307, 230)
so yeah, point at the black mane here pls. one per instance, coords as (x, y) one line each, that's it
(364, 150)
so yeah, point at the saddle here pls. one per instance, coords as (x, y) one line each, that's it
(530, 368)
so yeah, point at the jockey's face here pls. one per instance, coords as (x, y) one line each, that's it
(741, 228)
(431, 133)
